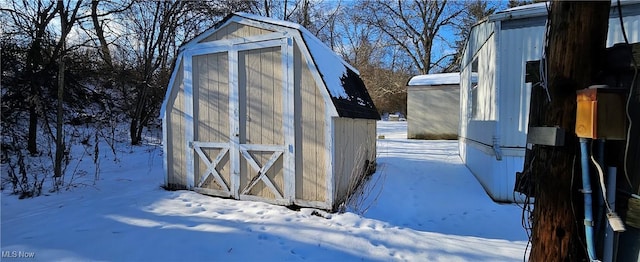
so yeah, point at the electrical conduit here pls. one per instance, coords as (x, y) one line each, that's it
(586, 190)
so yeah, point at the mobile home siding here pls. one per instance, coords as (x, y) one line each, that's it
(493, 149)
(631, 19)
(479, 111)
(517, 46)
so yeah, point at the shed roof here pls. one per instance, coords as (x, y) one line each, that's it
(342, 81)
(438, 79)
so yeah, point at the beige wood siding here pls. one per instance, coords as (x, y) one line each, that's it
(176, 166)
(235, 30)
(260, 98)
(354, 142)
(311, 171)
(211, 114)
(433, 112)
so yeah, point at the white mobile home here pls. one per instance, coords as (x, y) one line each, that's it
(494, 112)
(260, 109)
(433, 106)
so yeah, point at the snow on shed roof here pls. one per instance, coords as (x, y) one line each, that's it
(438, 79)
(346, 88)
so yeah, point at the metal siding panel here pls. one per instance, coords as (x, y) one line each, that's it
(496, 177)
(525, 44)
(465, 85)
(478, 37)
(433, 111)
(516, 48)
(631, 27)
(415, 111)
(486, 82)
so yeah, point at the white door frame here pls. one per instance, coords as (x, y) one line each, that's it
(234, 148)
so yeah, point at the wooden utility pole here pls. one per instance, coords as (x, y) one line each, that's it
(577, 38)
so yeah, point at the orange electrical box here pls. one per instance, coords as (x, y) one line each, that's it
(601, 113)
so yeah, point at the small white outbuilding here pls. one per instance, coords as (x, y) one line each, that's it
(494, 113)
(260, 109)
(433, 106)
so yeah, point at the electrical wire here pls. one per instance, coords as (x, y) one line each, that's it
(543, 60)
(633, 83)
(527, 207)
(601, 180)
(526, 217)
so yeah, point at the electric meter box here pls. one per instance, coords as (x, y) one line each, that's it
(601, 113)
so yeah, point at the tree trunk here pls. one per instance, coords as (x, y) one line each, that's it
(57, 169)
(33, 60)
(60, 147)
(578, 34)
(32, 143)
(133, 131)
(137, 123)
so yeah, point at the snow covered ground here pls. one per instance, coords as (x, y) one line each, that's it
(424, 205)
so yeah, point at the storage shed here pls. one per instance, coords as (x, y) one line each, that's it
(260, 109)
(494, 113)
(433, 106)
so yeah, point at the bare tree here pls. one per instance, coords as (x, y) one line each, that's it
(365, 48)
(153, 31)
(30, 21)
(473, 13)
(414, 27)
(68, 17)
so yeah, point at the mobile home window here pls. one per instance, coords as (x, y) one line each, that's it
(473, 92)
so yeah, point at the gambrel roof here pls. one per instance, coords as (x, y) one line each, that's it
(342, 82)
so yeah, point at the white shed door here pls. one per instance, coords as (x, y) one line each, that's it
(243, 136)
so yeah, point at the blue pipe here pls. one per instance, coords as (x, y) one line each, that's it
(586, 190)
